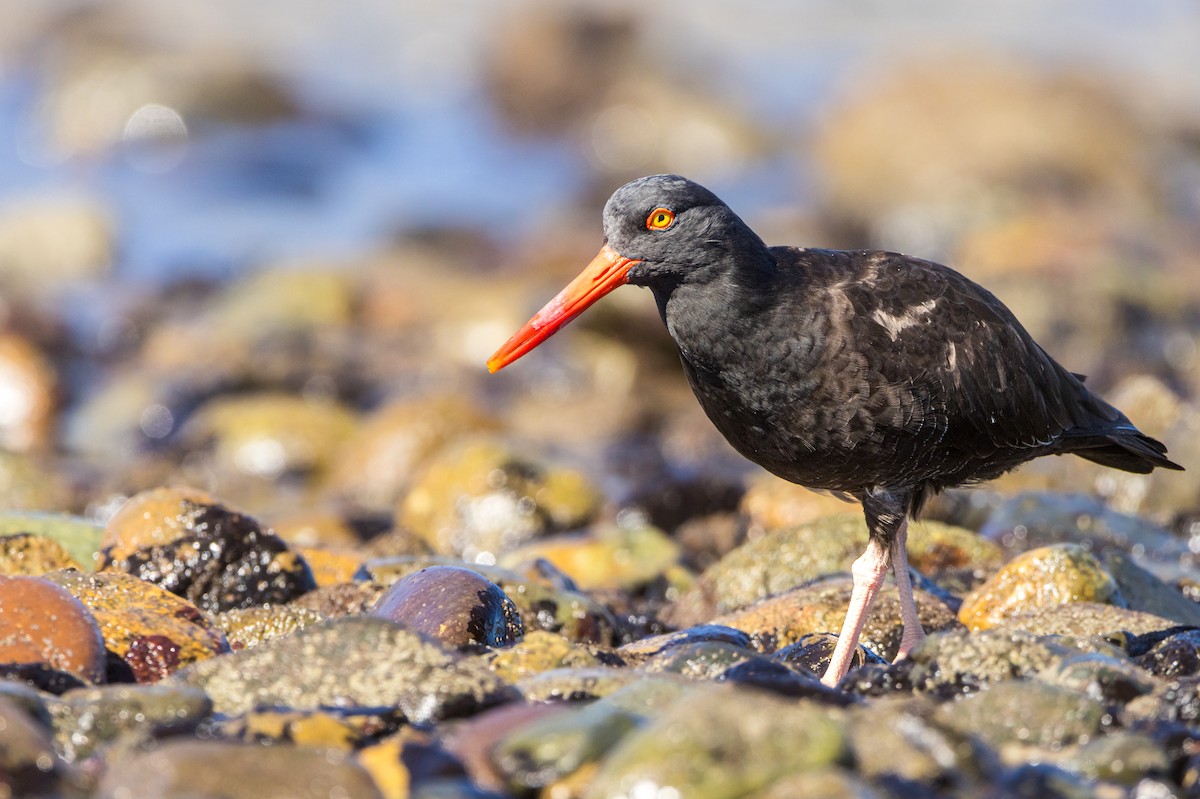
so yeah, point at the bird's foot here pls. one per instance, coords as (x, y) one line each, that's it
(912, 636)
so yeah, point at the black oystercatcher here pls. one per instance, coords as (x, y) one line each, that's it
(871, 374)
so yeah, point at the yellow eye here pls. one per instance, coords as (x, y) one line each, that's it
(660, 219)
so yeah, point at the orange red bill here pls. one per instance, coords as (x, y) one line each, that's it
(608, 270)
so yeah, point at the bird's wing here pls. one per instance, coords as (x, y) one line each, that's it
(983, 384)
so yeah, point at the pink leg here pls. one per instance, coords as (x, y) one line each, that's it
(913, 632)
(868, 572)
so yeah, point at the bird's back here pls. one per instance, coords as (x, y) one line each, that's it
(867, 369)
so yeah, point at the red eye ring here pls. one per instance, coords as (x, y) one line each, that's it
(660, 219)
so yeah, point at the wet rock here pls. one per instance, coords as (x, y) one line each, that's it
(814, 651)
(784, 559)
(348, 662)
(1160, 412)
(1021, 713)
(255, 328)
(542, 604)
(148, 627)
(344, 730)
(269, 434)
(30, 484)
(27, 554)
(190, 544)
(700, 659)
(80, 537)
(1176, 700)
(28, 763)
(778, 677)
(1122, 757)
(821, 607)
(48, 243)
(1084, 618)
(1124, 505)
(331, 566)
(119, 419)
(316, 528)
(1048, 576)
(1175, 656)
(704, 540)
(541, 651)
(88, 720)
(1108, 679)
(551, 748)
(479, 499)
(1032, 520)
(28, 385)
(534, 56)
(607, 556)
(830, 783)
(474, 740)
(404, 763)
(881, 134)
(951, 663)
(42, 624)
(899, 740)
(717, 742)
(247, 627)
(577, 684)
(1142, 591)
(457, 607)
(644, 648)
(772, 503)
(185, 768)
(343, 599)
(1042, 779)
(397, 542)
(378, 463)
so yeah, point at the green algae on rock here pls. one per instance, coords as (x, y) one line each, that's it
(789, 557)
(718, 742)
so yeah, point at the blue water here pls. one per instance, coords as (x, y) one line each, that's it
(396, 131)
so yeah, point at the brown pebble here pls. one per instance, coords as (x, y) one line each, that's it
(453, 605)
(41, 623)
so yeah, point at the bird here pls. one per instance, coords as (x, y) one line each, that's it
(873, 375)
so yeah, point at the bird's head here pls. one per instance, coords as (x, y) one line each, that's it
(657, 229)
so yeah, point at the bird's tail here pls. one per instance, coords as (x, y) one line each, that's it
(1126, 449)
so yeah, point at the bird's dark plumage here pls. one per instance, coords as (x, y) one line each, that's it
(873, 374)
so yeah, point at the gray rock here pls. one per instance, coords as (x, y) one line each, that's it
(1085, 618)
(1023, 713)
(896, 738)
(348, 662)
(28, 764)
(575, 684)
(949, 662)
(1104, 678)
(716, 742)
(1122, 757)
(87, 719)
(185, 769)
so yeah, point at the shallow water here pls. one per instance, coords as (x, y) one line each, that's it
(395, 130)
